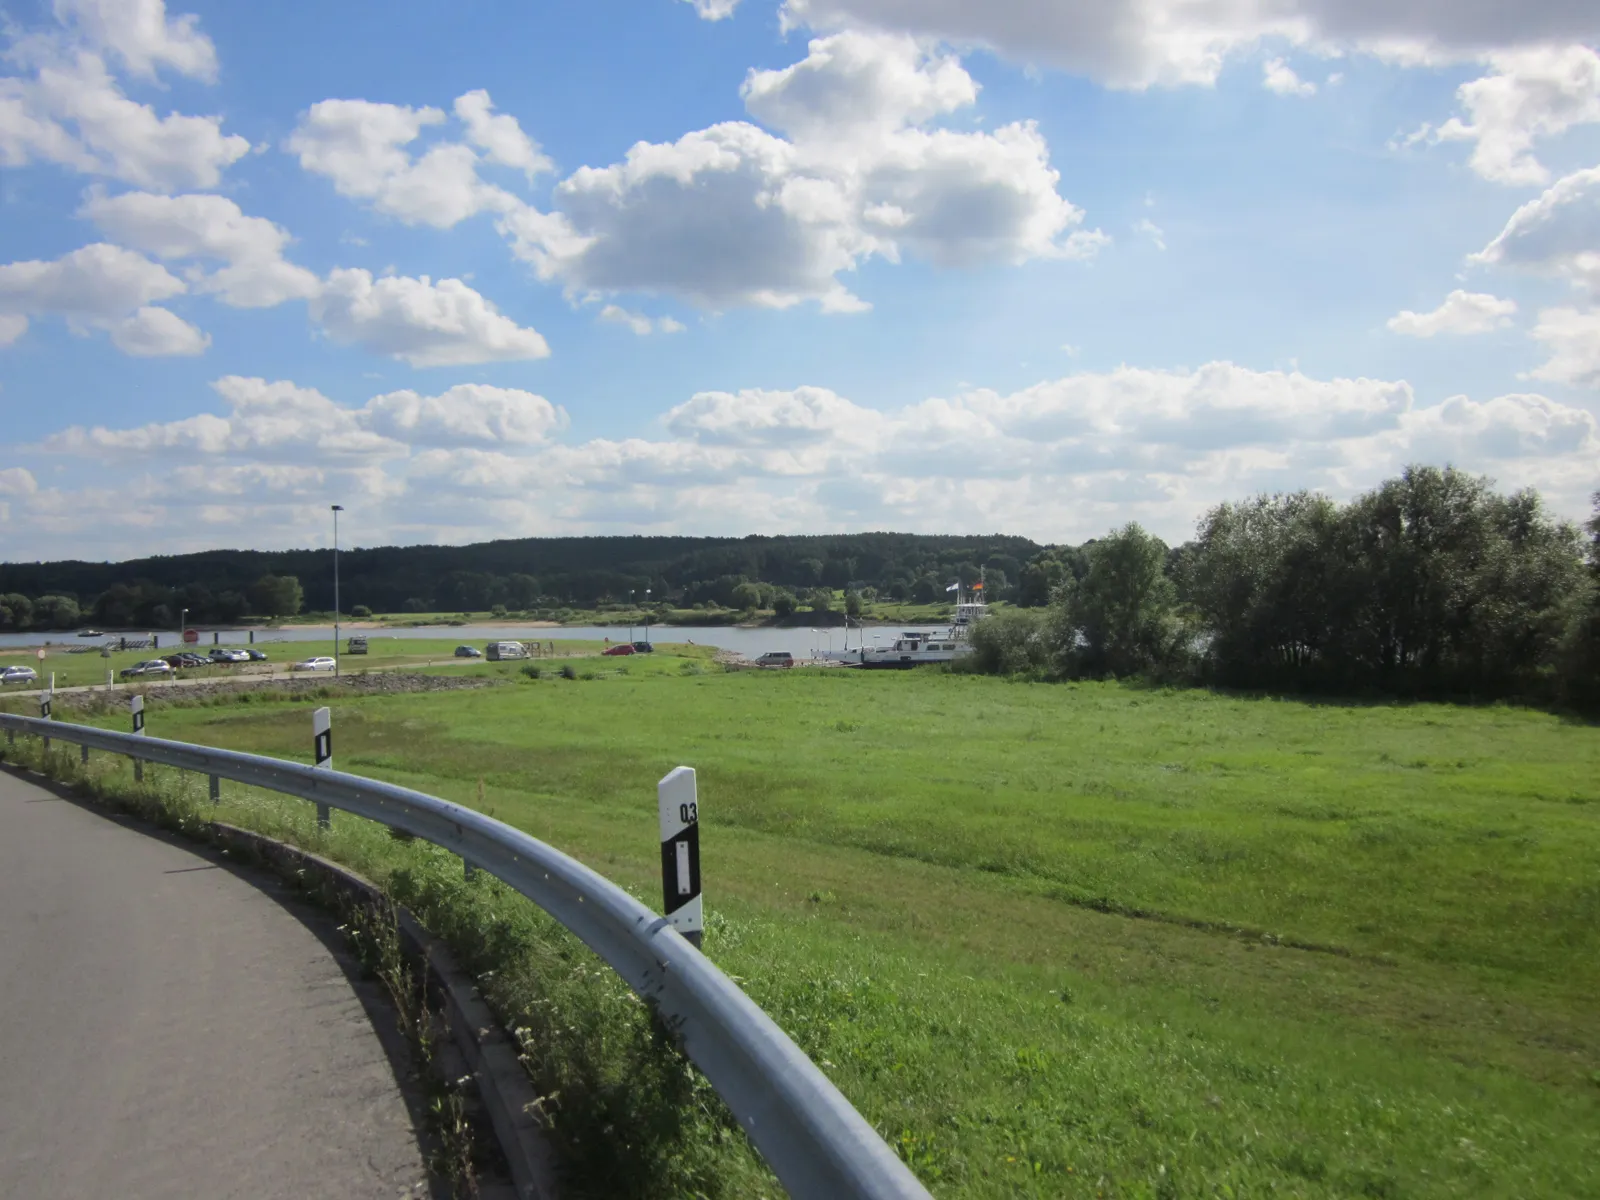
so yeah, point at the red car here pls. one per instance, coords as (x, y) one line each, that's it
(620, 648)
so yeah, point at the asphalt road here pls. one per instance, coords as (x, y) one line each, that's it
(171, 1027)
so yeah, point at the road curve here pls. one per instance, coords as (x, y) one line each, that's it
(169, 1027)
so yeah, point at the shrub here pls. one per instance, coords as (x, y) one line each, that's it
(532, 670)
(360, 610)
(569, 671)
(1014, 641)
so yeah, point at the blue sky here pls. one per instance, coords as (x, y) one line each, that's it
(491, 269)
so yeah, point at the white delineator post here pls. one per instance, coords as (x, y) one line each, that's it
(136, 706)
(680, 853)
(322, 751)
(45, 699)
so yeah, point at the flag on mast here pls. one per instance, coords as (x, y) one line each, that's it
(954, 587)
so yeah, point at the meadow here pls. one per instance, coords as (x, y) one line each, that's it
(1086, 939)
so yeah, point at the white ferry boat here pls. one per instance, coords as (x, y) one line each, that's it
(914, 648)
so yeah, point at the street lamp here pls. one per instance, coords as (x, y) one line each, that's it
(647, 616)
(337, 509)
(630, 616)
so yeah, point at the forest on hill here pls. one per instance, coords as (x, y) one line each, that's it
(518, 575)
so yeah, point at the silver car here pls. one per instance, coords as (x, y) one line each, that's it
(154, 666)
(19, 675)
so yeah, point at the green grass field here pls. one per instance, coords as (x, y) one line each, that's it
(1091, 939)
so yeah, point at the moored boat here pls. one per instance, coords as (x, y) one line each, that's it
(914, 648)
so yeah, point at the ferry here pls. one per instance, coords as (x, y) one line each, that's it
(914, 648)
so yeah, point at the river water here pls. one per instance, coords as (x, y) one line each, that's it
(799, 642)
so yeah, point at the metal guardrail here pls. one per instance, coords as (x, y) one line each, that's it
(811, 1136)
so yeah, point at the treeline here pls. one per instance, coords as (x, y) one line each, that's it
(1431, 584)
(225, 586)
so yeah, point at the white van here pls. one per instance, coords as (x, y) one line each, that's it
(500, 651)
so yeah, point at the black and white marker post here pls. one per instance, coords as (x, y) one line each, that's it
(45, 699)
(136, 706)
(680, 853)
(322, 751)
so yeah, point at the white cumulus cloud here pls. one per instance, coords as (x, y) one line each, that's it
(1462, 312)
(363, 148)
(1063, 460)
(737, 215)
(638, 322)
(67, 107)
(1278, 77)
(1178, 41)
(420, 322)
(465, 415)
(499, 136)
(1557, 234)
(1572, 337)
(152, 332)
(99, 286)
(205, 226)
(714, 10)
(850, 167)
(142, 35)
(1529, 94)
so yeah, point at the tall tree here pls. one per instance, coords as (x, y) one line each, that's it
(276, 596)
(1121, 617)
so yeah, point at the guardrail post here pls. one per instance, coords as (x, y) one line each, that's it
(136, 707)
(216, 790)
(45, 699)
(680, 853)
(322, 753)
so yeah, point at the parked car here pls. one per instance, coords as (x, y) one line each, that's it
(776, 658)
(175, 661)
(153, 666)
(225, 655)
(191, 659)
(356, 645)
(468, 652)
(320, 663)
(500, 651)
(19, 675)
(644, 647)
(257, 655)
(620, 648)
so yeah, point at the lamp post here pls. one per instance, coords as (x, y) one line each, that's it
(630, 616)
(183, 625)
(647, 616)
(337, 509)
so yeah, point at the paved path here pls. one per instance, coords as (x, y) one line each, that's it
(169, 1028)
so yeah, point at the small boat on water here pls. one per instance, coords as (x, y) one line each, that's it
(90, 633)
